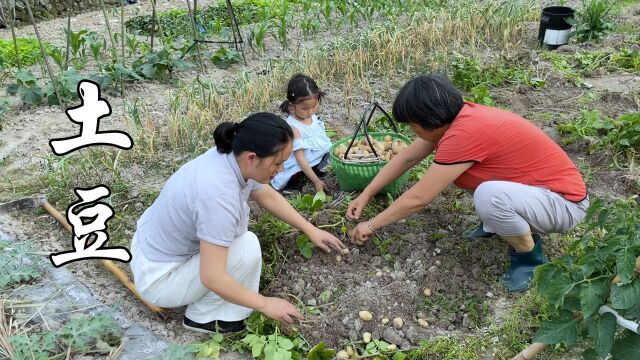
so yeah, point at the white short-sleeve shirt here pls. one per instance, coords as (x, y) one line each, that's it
(206, 199)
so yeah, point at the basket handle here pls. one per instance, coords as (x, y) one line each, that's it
(366, 118)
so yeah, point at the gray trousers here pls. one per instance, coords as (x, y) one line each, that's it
(510, 209)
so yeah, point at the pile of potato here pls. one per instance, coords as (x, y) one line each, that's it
(361, 151)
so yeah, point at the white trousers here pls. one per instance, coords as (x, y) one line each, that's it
(509, 208)
(175, 284)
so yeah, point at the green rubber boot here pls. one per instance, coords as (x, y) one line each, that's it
(478, 232)
(518, 277)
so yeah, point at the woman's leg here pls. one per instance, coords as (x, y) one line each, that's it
(178, 284)
(515, 210)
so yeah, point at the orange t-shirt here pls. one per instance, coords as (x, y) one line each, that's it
(505, 146)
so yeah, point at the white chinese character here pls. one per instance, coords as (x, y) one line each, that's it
(88, 114)
(90, 220)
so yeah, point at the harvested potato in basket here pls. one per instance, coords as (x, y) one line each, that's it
(361, 151)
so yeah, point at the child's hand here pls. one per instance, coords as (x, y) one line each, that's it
(320, 185)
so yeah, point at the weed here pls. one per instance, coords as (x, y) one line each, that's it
(27, 87)
(28, 50)
(16, 265)
(593, 20)
(225, 57)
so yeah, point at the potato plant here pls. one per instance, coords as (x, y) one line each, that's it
(577, 285)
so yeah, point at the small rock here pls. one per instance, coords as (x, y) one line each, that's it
(385, 321)
(465, 320)
(358, 325)
(312, 302)
(489, 294)
(355, 251)
(397, 323)
(391, 336)
(553, 133)
(438, 263)
(426, 292)
(433, 269)
(379, 273)
(412, 335)
(405, 344)
(345, 320)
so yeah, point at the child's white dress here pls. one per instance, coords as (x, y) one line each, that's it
(315, 143)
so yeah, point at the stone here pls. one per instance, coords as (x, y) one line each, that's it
(553, 133)
(411, 333)
(358, 325)
(392, 336)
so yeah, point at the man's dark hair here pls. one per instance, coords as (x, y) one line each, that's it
(428, 100)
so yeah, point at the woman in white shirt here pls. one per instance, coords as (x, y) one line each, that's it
(192, 246)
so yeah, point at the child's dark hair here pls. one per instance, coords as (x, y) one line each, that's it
(300, 86)
(429, 100)
(262, 133)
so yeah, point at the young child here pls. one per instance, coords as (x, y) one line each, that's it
(310, 144)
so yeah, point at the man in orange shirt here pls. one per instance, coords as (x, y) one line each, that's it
(523, 183)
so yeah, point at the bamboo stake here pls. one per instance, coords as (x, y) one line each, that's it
(153, 21)
(123, 56)
(13, 33)
(43, 52)
(192, 15)
(66, 57)
(113, 43)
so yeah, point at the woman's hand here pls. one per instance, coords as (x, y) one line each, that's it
(320, 185)
(280, 310)
(325, 241)
(356, 206)
(361, 234)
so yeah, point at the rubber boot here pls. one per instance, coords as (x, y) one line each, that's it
(478, 233)
(518, 277)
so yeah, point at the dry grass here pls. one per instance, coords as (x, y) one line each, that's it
(419, 44)
(5, 332)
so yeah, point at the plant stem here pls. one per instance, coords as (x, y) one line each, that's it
(43, 52)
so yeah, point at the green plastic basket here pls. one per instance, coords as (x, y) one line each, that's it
(356, 176)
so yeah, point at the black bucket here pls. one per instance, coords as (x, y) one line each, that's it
(554, 28)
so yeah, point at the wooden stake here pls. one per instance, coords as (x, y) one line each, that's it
(66, 57)
(113, 43)
(44, 53)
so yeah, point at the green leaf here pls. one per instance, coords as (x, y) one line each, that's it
(256, 350)
(30, 95)
(627, 347)
(561, 330)
(626, 265)
(25, 77)
(12, 89)
(399, 356)
(217, 338)
(602, 332)
(320, 352)
(285, 343)
(625, 296)
(592, 296)
(148, 71)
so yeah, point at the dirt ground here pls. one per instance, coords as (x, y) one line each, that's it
(425, 251)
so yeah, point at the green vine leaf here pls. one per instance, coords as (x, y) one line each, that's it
(602, 331)
(561, 330)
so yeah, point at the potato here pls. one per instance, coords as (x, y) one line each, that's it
(365, 315)
(366, 337)
(392, 347)
(385, 320)
(350, 351)
(342, 355)
(394, 146)
(338, 258)
(387, 138)
(344, 251)
(423, 322)
(387, 145)
(397, 323)
(426, 292)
